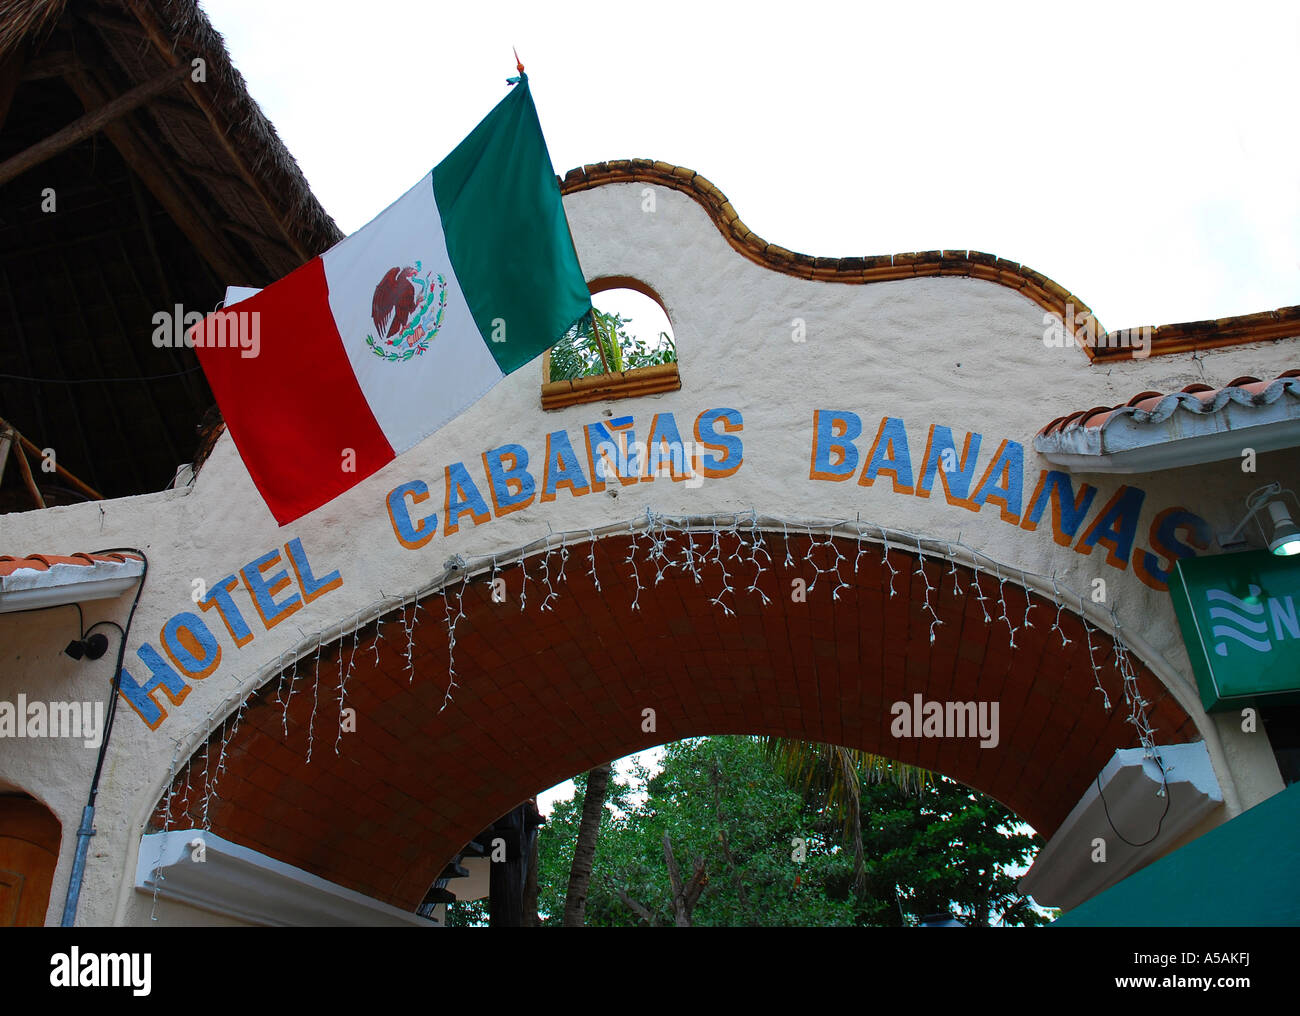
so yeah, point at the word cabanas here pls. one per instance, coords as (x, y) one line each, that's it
(510, 479)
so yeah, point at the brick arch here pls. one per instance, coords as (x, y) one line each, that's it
(545, 694)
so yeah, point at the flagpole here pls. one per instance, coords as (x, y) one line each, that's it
(595, 325)
(600, 344)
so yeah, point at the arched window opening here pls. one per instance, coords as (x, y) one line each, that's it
(625, 349)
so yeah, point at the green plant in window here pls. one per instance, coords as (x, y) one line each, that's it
(578, 353)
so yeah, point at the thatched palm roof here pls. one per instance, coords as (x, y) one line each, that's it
(164, 204)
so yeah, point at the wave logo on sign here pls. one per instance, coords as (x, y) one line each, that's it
(1249, 619)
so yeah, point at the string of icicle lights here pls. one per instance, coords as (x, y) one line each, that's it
(658, 545)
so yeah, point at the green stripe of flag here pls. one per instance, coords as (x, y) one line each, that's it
(507, 235)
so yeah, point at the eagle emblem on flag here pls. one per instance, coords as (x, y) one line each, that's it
(400, 310)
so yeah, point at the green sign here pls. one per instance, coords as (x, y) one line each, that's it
(1240, 617)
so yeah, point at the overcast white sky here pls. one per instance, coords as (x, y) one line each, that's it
(1143, 155)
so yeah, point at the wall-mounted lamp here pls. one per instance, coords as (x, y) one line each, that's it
(92, 647)
(1282, 535)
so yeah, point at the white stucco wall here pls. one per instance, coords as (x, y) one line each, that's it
(958, 352)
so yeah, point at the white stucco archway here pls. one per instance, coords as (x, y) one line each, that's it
(762, 353)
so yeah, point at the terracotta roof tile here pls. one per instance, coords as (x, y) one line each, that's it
(1094, 417)
(1201, 399)
(43, 562)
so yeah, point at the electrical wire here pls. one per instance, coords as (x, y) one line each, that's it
(81, 622)
(117, 672)
(87, 830)
(1163, 815)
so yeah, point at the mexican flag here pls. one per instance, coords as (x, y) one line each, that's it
(330, 373)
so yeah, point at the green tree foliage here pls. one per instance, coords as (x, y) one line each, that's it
(721, 800)
(945, 849)
(558, 838)
(467, 913)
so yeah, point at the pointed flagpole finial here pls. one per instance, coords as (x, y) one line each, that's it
(520, 65)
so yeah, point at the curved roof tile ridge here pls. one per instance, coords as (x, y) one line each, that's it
(1265, 326)
(1252, 393)
(1200, 400)
(44, 562)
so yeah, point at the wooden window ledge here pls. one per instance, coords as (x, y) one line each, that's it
(627, 384)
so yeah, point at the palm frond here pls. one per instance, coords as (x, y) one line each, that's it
(830, 776)
(834, 772)
(578, 353)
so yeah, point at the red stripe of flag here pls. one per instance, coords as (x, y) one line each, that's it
(295, 410)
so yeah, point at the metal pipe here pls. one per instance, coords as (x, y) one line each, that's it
(84, 833)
